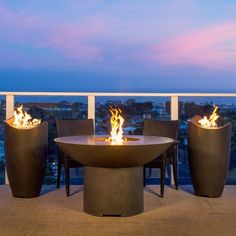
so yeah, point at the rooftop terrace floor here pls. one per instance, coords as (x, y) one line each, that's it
(178, 213)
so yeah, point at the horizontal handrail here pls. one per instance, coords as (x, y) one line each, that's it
(111, 94)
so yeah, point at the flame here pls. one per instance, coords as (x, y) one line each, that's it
(23, 120)
(211, 122)
(116, 127)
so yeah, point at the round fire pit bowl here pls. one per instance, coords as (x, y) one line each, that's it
(26, 153)
(113, 174)
(209, 155)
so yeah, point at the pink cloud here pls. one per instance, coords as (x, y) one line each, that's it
(69, 39)
(95, 36)
(211, 47)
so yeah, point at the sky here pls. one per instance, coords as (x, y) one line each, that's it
(118, 46)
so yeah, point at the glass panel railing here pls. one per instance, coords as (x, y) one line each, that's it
(134, 111)
(191, 106)
(49, 109)
(2, 118)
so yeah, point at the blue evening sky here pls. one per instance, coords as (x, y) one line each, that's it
(118, 46)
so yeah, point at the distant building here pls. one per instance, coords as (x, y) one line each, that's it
(113, 102)
(147, 115)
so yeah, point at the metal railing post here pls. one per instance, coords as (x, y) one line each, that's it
(91, 108)
(9, 106)
(174, 113)
(9, 114)
(174, 108)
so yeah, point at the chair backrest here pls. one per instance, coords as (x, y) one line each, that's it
(164, 128)
(74, 127)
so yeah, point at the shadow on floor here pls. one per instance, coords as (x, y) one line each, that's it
(187, 188)
(150, 190)
(47, 189)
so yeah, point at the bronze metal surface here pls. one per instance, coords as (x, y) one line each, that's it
(90, 151)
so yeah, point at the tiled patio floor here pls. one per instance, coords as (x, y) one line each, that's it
(178, 213)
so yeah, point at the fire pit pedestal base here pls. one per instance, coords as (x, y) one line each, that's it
(113, 191)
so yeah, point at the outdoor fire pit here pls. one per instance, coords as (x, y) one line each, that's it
(113, 173)
(209, 155)
(25, 152)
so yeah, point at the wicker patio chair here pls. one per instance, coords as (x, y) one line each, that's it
(164, 128)
(70, 128)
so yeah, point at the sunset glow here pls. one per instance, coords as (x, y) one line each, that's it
(156, 43)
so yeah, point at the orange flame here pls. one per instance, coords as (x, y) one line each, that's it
(116, 127)
(211, 122)
(23, 120)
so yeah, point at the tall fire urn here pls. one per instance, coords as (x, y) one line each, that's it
(209, 156)
(26, 154)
